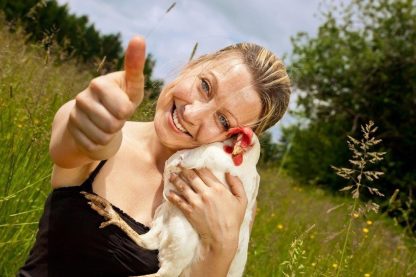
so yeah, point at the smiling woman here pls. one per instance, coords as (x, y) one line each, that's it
(95, 149)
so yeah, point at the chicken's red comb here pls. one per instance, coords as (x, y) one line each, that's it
(246, 132)
(244, 137)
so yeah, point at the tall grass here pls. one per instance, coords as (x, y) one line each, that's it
(286, 211)
(31, 91)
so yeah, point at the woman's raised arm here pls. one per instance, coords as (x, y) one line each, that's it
(88, 128)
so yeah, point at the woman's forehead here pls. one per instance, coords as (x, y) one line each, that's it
(229, 71)
(226, 65)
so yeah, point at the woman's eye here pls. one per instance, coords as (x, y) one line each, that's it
(205, 86)
(224, 122)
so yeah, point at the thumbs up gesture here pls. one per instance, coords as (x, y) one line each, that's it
(100, 111)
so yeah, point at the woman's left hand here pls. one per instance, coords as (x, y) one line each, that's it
(215, 212)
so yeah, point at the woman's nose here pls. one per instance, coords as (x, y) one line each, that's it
(195, 112)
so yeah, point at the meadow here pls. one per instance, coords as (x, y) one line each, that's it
(299, 230)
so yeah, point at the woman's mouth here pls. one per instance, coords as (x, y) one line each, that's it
(176, 122)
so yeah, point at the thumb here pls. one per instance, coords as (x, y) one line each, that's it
(236, 187)
(134, 60)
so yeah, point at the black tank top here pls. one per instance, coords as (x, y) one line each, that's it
(69, 242)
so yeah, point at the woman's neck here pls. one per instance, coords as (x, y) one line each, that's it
(159, 152)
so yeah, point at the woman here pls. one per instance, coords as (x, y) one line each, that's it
(241, 85)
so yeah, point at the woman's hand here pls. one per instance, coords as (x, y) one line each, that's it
(100, 111)
(215, 212)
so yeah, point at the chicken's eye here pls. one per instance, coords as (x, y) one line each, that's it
(224, 122)
(205, 86)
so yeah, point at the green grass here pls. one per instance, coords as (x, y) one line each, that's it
(286, 211)
(31, 91)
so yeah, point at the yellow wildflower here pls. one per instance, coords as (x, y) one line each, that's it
(279, 226)
(365, 230)
(367, 275)
(313, 264)
(369, 222)
(356, 215)
(334, 265)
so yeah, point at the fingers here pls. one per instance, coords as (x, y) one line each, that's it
(180, 202)
(80, 138)
(134, 61)
(107, 90)
(88, 128)
(194, 179)
(208, 177)
(236, 187)
(183, 188)
(99, 113)
(101, 117)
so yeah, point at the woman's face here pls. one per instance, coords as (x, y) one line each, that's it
(204, 102)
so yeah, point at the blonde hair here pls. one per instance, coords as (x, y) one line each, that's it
(270, 78)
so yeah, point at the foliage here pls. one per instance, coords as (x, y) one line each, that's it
(269, 152)
(360, 66)
(311, 151)
(152, 86)
(48, 22)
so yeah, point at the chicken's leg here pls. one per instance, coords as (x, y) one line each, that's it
(104, 208)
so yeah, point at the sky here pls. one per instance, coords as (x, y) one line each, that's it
(214, 24)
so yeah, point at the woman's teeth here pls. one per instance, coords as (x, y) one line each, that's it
(176, 122)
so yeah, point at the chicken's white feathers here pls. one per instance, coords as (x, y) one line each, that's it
(173, 235)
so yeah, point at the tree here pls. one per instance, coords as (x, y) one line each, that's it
(269, 152)
(48, 22)
(361, 66)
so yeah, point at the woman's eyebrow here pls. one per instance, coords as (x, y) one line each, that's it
(215, 88)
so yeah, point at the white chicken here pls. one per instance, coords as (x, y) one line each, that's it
(174, 237)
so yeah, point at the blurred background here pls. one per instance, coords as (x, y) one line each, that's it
(325, 168)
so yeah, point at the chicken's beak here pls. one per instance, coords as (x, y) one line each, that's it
(237, 149)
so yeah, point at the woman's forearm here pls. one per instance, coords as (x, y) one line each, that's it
(216, 261)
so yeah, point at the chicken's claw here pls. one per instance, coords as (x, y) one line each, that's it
(103, 208)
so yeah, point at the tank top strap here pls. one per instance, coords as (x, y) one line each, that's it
(87, 184)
